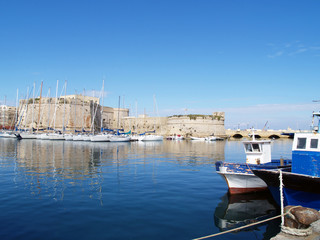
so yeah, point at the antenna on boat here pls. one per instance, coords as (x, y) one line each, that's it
(253, 138)
(317, 129)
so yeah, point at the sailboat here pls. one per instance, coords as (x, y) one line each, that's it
(151, 137)
(67, 136)
(29, 134)
(56, 135)
(13, 133)
(82, 136)
(101, 137)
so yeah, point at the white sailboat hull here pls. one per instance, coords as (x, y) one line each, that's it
(86, 138)
(100, 138)
(119, 139)
(50, 136)
(77, 138)
(55, 136)
(28, 135)
(151, 138)
(197, 138)
(68, 137)
(8, 135)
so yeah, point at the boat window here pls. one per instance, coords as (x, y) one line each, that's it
(301, 143)
(314, 143)
(256, 147)
(248, 147)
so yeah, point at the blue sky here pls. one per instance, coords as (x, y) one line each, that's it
(257, 61)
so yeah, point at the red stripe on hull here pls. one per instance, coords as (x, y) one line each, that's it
(246, 190)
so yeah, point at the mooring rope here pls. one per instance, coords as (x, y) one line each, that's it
(249, 225)
(281, 196)
(237, 229)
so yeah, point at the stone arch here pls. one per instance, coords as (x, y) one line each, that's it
(237, 135)
(274, 136)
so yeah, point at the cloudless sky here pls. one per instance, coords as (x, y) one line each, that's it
(257, 61)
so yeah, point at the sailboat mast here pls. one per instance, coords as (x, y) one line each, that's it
(3, 113)
(49, 102)
(34, 86)
(75, 112)
(93, 116)
(154, 111)
(119, 113)
(27, 106)
(83, 110)
(15, 124)
(39, 107)
(55, 107)
(64, 105)
(101, 113)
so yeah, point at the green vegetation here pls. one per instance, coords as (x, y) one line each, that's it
(195, 116)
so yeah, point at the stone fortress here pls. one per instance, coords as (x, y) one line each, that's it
(77, 112)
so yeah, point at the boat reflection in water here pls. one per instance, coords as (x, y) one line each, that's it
(242, 209)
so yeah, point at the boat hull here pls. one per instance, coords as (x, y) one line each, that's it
(100, 138)
(241, 179)
(119, 139)
(151, 138)
(298, 189)
(68, 137)
(197, 138)
(28, 135)
(239, 183)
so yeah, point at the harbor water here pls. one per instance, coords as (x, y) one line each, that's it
(136, 190)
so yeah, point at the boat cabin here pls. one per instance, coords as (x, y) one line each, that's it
(306, 151)
(257, 151)
(306, 154)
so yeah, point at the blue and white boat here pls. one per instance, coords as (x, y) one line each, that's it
(301, 186)
(239, 176)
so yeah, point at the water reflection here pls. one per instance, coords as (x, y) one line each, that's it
(50, 167)
(242, 209)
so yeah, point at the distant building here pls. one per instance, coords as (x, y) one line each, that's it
(71, 113)
(7, 117)
(186, 125)
(82, 113)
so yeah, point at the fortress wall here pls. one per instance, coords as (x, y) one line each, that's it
(72, 116)
(198, 127)
(182, 125)
(144, 124)
(7, 116)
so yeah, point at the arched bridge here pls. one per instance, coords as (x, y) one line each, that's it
(272, 134)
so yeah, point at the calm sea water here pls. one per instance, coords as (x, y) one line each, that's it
(154, 190)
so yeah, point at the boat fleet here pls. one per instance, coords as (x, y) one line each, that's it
(100, 137)
(291, 182)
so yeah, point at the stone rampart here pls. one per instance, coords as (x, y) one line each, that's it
(186, 125)
(201, 126)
